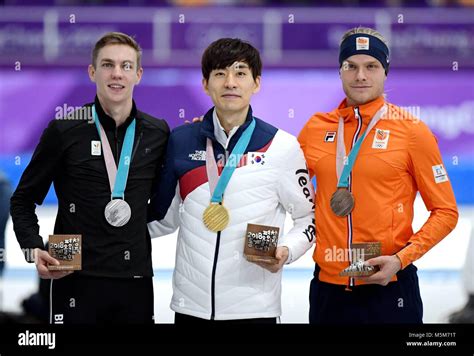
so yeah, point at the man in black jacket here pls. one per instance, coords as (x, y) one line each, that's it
(103, 161)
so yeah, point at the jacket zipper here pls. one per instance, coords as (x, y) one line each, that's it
(213, 277)
(136, 146)
(116, 147)
(350, 282)
(214, 267)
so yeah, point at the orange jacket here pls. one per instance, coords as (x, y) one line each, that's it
(384, 182)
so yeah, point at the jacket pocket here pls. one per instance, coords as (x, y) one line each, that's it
(251, 275)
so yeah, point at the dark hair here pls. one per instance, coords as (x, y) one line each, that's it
(116, 38)
(224, 52)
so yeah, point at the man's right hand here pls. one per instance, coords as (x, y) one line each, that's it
(42, 259)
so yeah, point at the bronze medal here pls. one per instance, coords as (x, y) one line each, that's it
(215, 217)
(342, 202)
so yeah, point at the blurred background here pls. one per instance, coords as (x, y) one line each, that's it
(45, 47)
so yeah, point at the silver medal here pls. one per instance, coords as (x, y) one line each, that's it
(117, 212)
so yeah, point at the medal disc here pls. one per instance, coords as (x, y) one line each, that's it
(117, 212)
(342, 202)
(215, 217)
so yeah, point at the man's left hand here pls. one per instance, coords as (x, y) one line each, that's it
(389, 265)
(281, 254)
(195, 119)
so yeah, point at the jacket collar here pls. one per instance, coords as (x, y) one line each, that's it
(107, 122)
(207, 127)
(366, 111)
(219, 133)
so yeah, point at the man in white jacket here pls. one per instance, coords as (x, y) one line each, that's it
(221, 174)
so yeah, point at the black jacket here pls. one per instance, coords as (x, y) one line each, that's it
(64, 157)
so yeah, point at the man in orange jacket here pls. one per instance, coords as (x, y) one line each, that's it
(370, 158)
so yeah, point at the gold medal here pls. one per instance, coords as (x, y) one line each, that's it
(342, 202)
(215, 217)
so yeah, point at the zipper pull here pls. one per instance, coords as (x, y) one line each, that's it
(348, 286)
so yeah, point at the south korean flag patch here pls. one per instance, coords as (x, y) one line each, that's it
(256, 159)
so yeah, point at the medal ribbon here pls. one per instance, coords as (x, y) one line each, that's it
(219, 184)
(117, 177)
(343, 169)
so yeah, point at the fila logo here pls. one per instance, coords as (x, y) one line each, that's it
(330, 136)
(95, 148)
(362, 43)
(381, 139)
(198, 156)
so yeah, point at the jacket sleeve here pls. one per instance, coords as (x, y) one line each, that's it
(33, 187)
(170, 222)
(164, 205)
(303, 140)
(152, 206)
(435, 188)
(296, 195)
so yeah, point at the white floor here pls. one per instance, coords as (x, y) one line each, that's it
(442, 293)
(439, 272)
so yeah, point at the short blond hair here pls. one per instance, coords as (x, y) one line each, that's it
(116, 38)
(364, 30)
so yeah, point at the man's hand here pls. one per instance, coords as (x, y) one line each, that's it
(281, 254)
(195, 119)
(42, 259)
(389, 265)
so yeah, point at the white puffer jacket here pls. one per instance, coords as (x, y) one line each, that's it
(212, 278)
